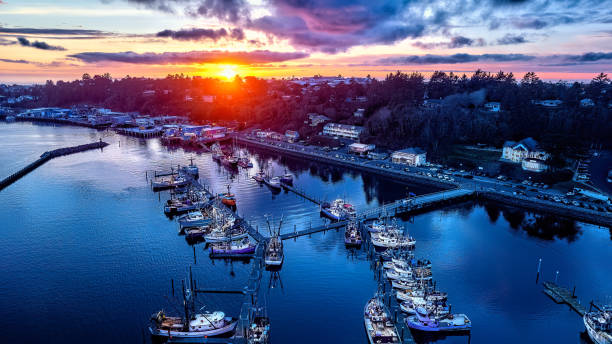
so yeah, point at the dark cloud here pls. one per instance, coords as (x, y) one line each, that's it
(38, 44)
(452, 59)
(32, 31)
(455, 42)
(5, 42)
(228, 10)
(512, 39)
(213, 56)
(203, 34)
(529, 23)
(14, 61)
(591, 57)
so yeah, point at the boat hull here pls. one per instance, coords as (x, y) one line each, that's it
(326, 213)
(246, 250)
(215, 239)
(196, 334)
(414, 323)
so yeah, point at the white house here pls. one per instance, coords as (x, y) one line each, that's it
(409, 156)
(492, 106)
(292, 135)
(342, 130)
(360, 148)
(528, 148)
(316, 119)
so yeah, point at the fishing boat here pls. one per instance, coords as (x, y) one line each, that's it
(191, 169)
(338, 210)
(422, 274)
(391, 240)
(273, 183)
(352, 234)
(413, 305)
(196, 233)
(287, 178)
(260, 176)
(239, 247)
(403, 284)
(435, 322)
(194, 219)
(182, 206)
(200, 325)
(228, 198)
(232, 160)
(274, 254)
(169, 183)
(245, 162)
(393, 274)
(216, 236)
(599, 325)
(259, 331)
(378, 323)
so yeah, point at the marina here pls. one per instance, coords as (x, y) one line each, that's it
(452, 225)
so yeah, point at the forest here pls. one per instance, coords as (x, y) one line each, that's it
(395, 112)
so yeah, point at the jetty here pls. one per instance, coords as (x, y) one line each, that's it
(562, 295)
(46, 156)
(302, 193)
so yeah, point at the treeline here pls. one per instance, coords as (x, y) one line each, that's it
(394, 112)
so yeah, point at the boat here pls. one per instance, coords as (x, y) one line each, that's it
(243, 246)
(352, 234)
(191, 169)
(274, 254)
(338, 210)
(378, 322)
(10, 118)
(425, 321)
(381, 225)
(398, 275)
(412, 306)
(169, 183)
(259, 331)
(245, 162)
(273, 182)
(260, 176)
(217, 152)
(599, 325)
(196, 233)
(391, 240)
(232, 160)
(175, 207)
(228, 198)
(228, 235)
(194, 219)
(200, 325)
(403, 284)
(287, 178)
(609, 179)
(422, 274)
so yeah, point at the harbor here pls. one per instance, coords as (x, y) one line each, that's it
(320, 278)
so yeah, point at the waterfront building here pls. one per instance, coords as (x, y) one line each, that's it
(377, 155)
(316, 119)
(534, 165)
(292, 135)
(411, 156)
(213, 132)
(360, 148)
(342, 130)
(492, 106)
(516, 152)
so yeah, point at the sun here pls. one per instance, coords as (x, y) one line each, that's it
(228, 72)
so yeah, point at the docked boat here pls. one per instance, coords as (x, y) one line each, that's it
(227, 235)
(228, 198)
(599, 325)
(414, 304)
(274, 255)
(191, 169)
(245, 162)
(273, 182)
(194, 219)
(200, 325)
(392, 240)
(239, 247)
(434, 322)
(393, 274)
(403, 284)
(422, 274)
(338, 210)
(169, 183)
(232, 160)
(259, 331)
(287, 178)
(260, 176)
(182, 206)
(352, 234)
(196, 233)
(378, 323)
(382, 225)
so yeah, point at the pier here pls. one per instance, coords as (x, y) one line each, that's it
(46, 156)
(140, 133)
(562, 295)
(302, 193)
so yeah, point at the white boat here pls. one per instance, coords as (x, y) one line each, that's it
(172, 182)
(404, 284)
(273, 182)
(191, 169)
(338, 210)
(391, 240)
(599, 325)
(199, 326)
(221, 236)
(433, 322)
(274, 255)
(194, 219)
(378, 323)
(260, 176)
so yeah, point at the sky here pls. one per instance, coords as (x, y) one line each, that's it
(62, 39)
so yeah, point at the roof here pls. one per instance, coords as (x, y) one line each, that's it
(411, 150)
(529, 143)
(343, 126)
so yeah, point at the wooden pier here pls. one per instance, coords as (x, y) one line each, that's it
(46, 156)
(313, 230)
(302, 193)
(562, 295)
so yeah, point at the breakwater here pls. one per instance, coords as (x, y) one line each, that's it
(46, 156)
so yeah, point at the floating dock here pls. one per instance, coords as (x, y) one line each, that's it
(562, 295)
(46, 156)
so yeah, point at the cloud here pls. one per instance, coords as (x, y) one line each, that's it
(38, 44)
(32, 31)
(14, 61)
(512, 39)
(591, 57)
(530, 23)
(5, 42)
(452, 59)
(213, 56)
(455, 42)
(203, 34)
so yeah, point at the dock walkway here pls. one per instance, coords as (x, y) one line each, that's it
(46, 156)
(562, 295)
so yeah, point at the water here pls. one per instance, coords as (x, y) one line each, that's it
(87, 255)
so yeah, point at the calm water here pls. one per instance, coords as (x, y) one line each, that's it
(87, 255)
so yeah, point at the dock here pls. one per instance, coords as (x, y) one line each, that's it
(302, 193)
(46, 156)
(562, 295)
(313, 230)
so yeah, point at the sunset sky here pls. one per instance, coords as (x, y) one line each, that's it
(62, 39)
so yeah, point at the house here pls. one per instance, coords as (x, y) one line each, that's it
(316, 119)
(359, 112)
(342, 130)
(587, 102)
(360, 148)
(410, 156)
(528, 148)
(534, 165)
(377, 155)
(492, 106)
(292, 135)
(549, 103)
